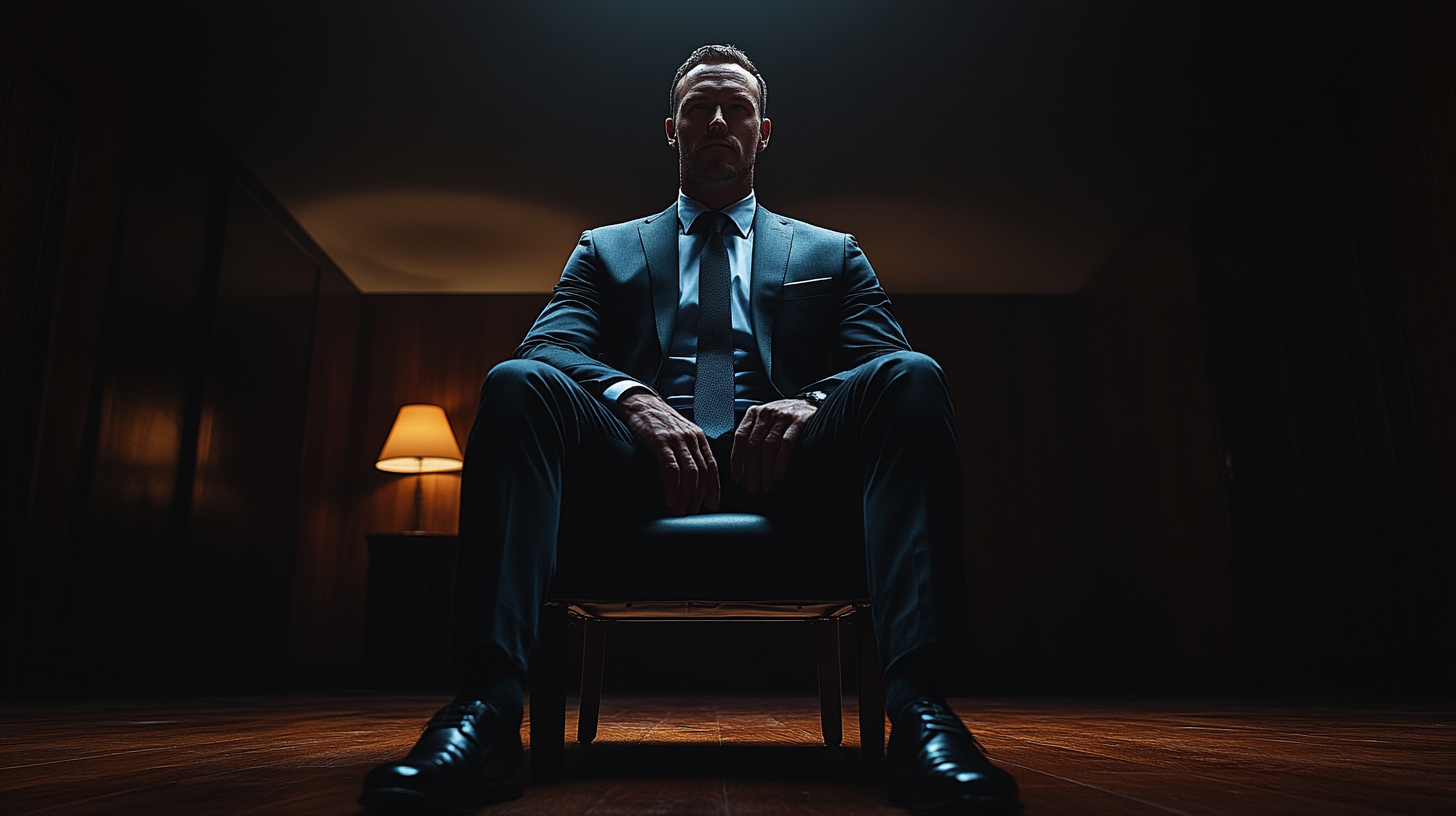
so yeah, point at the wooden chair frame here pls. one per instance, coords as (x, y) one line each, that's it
(548, 666)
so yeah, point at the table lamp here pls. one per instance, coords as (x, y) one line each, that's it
(420, 442)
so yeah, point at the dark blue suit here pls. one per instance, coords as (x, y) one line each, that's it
(878, 463)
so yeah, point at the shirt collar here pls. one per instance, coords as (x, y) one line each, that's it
(741, 212)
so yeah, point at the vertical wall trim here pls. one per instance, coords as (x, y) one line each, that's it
(208, 277)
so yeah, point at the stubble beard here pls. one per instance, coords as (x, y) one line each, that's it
(728, 175)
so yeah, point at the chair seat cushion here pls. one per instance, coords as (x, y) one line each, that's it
(705, 525)
(710, 610)
(709, 557)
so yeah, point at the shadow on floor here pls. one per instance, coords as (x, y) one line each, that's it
(808, 763)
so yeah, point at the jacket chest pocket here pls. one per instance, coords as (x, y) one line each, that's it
(809, 288)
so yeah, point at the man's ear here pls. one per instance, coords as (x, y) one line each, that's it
(671, 128)
(764, 129)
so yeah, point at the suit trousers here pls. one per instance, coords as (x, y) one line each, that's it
(877, 469)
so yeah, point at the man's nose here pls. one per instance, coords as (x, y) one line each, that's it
(718, 122)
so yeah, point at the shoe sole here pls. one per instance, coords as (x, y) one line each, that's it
(406, 802)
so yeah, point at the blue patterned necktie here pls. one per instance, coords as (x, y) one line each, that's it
(713, 387)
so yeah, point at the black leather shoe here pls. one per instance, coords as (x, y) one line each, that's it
(467, 757)
(935, 767)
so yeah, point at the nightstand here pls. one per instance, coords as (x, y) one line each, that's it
(407, 624)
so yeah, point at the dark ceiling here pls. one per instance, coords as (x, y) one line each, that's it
(454, 145)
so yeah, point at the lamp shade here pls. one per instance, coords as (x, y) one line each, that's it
(420, 442)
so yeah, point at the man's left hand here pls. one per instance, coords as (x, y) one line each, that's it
(765, 440)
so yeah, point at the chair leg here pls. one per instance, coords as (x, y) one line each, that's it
(826, 636)
(548, 693)
(593, 663)
(871, 688)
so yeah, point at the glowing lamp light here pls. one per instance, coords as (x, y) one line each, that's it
(420, 442)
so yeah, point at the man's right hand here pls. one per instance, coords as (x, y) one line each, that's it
(689, 473)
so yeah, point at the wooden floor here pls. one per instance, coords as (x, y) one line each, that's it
(740, 756)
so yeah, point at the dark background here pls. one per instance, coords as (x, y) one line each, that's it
(1214, 451)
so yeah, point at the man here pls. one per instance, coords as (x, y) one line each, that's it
(728, 358)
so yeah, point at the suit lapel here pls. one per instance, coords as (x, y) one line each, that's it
(659, 243)
(772, 238)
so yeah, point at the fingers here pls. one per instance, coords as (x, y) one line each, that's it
(689, 474)
(773, 448)
(757, 448)
(711, 486)
(685, 463)
(707, 473)
(738, 460)
(700, 480)
(754, 455)
(786, 449)
(677, 469)
(764, 443)
(763, 446)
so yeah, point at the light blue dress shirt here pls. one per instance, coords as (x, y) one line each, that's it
(679, 370)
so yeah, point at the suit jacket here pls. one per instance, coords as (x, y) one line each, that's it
(817, 308)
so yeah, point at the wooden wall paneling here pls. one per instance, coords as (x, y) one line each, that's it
(331, 563)
(1156, 478)
(238, 560)
(36, 643)
(135, 462)
(1336, 559)
(1258, 289)
(37, 135)
(1020, 398)
(1096, 552)
(1403, 129)
(97, 592)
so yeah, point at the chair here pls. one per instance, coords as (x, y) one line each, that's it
(745, 570)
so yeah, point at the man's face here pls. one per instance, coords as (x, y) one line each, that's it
(717, 130)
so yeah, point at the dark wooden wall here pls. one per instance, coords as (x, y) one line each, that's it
(1325, 260)
(167, 420)
(1094, 550)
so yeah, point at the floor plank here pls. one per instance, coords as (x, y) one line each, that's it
(1215, 758)
(746, 756)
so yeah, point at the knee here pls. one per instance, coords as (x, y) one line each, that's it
(914, 361)
(909, 383)
(910, 368)
(512, 380)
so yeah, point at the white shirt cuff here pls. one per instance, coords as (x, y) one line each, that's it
(618, 388)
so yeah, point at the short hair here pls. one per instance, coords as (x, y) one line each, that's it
(717, 54)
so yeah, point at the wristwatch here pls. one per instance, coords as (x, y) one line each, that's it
(814, 398)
